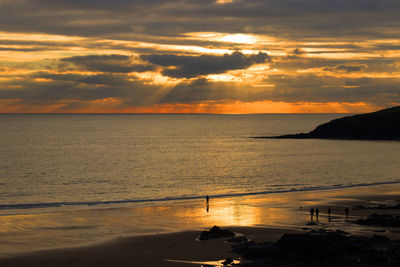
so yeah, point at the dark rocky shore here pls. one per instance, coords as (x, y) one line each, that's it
(383, 220)
(314, 248)
(379, 125)
(322, 248)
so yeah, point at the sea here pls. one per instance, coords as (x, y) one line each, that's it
(57, 160)
(67, 166)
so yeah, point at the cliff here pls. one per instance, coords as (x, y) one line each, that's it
(379, 125)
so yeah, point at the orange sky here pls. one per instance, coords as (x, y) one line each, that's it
(60, 60)
(110, 106)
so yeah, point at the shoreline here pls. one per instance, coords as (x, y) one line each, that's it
(261, 218)
(32, 206)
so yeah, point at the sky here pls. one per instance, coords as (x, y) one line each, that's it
(199, 56)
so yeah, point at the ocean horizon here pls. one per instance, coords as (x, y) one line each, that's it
(60, 160)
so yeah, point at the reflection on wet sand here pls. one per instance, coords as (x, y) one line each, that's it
(70, 228)
(50, 230)
(245, 212)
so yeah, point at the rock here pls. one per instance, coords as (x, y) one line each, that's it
(238, 239)
(379, 125)
(381, 207)
(322, 248)
(385, 220)
(227, 261)
(215, 232)
(253, 250)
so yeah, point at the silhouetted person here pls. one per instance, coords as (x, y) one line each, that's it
(316, 213)
(347, 212)
(207, 199)
(329, 214)
(312, 213)
(207, 203)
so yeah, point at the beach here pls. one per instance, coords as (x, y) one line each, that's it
(151, 250)
(259, 218)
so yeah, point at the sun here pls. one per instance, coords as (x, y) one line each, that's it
(238, 38)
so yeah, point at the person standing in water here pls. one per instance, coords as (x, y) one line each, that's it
(316, 213)
(347, 212)
(312, 213)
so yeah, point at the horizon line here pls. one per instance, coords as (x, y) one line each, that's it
(161, 113)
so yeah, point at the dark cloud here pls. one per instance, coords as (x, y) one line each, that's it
(285, 18)
(193, 66)
(106, 79)
(296, 53)
(300, 88)
(108, 63)
(195, 91)
(36, 49)
(313, 88)
(346, 68)
(101, 79)
(42, 88)
(201, 89)
(367, 65)
(59, 87)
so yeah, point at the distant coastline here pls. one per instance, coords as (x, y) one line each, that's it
(379, 125)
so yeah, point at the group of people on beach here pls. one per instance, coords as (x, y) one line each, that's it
(316, 214)
(329, 213)
(312, 211)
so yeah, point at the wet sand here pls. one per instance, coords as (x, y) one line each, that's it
(268, 217)
(152, 250)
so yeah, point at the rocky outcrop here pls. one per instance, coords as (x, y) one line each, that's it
(379, 125)
(322, 248)
(215, 232)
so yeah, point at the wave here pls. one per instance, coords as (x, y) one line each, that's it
(94, 203)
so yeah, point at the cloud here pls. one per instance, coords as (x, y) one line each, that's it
(49, 88)
(195, 91)
(332, 40)
(368, 65)
(108, 63)
(313, 88)
(44, 88)
(193, 66)
(100, 79)
(290, 88)
(201, 89)
(297, 52)
(284, 18)
(346, 68)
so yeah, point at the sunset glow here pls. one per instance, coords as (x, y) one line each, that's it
(211, 59)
